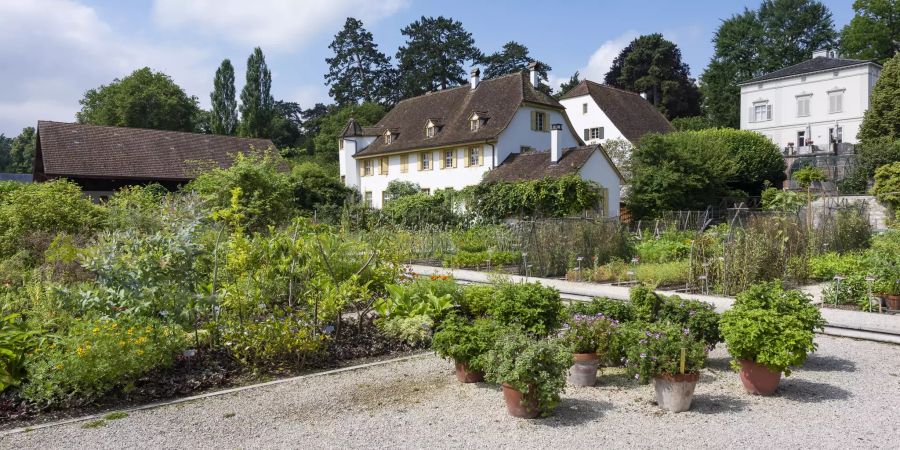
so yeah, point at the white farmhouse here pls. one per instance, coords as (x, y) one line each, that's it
(810, 107)
(600, 113)
(453, 137)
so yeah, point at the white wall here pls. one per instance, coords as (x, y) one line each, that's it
(594, 118)
(597, 169)
(782, 94)
(519, 133)
(433, 179)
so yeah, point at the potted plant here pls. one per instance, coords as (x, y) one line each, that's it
(531, 372)
(465, 342)
(889, 290)
(672, 357)
(768, 330)
(589, 338)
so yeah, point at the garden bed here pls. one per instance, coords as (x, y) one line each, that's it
(208, 371)
(418, 403)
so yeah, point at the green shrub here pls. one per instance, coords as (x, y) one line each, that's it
(851, 290)
(99, 355)
(887, 185)
(622, 311)
(659, 349)
(415, 330)
(532, 306)
(663, 250)
(481, 259)
(771, 326)
(663, 274)
(465, 341)
(266, 190)
(423, 209)
(50, 208)
(275, 341)
(16, 341)
(532, 367)
(547, 197)
(137, 207)
(429, 297)
(700, 318)
(825, 266)
(589, 334)
(883, 261)
(476, 300)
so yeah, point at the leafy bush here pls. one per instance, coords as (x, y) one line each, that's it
(400, 188)
(466, 341)
(846, 229)
(771, 326)
(552, 246)
(663, 274)
(852, 290)
(278, 340)
(97, 356)
(315, 189)
(414, 330)
(50, 208)
(476, 300)
(666, 249)
(589, 334)
(618, 310)
(266, 190)
(16, 341)
(659, 349)
(481, 259)
(698, 317)
(883, 260)
(826, 265)
(137, 207)
(536, 308)
(423, 209)
(532, 367)
(432, 298)
(887, 185)
(547, 197)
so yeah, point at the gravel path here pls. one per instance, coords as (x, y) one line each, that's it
(846, 396)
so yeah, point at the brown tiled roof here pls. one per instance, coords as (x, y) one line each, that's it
(629, 112)
(78, 150)
(498, 99)
(536, 165)
(353, 128)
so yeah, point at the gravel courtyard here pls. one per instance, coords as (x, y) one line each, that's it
(846, 396)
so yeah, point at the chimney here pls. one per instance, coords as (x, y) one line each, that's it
(555, 151)
(476, 73)
(533, 73)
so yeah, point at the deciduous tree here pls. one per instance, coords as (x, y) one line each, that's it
(513, 57)
(143, 99)
(874, 32)
(257, 104)
(882, 119)
(568, 85)
(651, 64)
(224, 105)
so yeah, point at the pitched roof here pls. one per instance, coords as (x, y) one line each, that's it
(17, 177)
(496, 100)
(817, 64)
(629, 112)
(536, 165)
(78, 150)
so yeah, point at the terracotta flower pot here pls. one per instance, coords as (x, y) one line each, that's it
(584, 370)
(464, 375)
(759, 379)
(519, 404)
(675, 392)
(892, 301)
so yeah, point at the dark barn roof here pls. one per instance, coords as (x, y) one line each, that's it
(495, 100)
(817, 64)
(17, 177)
(89, 151)
(536, 165)
(629, 112)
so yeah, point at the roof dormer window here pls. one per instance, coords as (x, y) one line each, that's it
(431, 128)
(475, 122)
(388, 137)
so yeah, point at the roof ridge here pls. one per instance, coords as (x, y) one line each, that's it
(464, 85)
(607, 86)
(155, 130)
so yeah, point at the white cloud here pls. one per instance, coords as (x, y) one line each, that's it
(602, 58)
(55, 50)
(272, 24)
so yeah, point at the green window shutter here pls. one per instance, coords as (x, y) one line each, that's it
(534, 120)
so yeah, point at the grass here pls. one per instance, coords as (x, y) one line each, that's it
(116, 415)
(94, 424)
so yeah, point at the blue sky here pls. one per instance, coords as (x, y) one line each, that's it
(54, 50)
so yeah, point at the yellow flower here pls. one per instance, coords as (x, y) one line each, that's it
(121, 343)
(59, 367)
(140, 352)
(80, 351)
(96, 330)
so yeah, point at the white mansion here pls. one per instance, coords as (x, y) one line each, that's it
(454, 137)
(810, 107)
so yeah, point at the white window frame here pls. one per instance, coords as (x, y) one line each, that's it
(449, 158)
(430, 131)
(762, 112)
(368, 167)
(803, 108)
(539, 120)
(473, 155)
(388, 138)
(836, 101)
(584, 108)
(368, 198)
(425, 161)
(596, 133)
